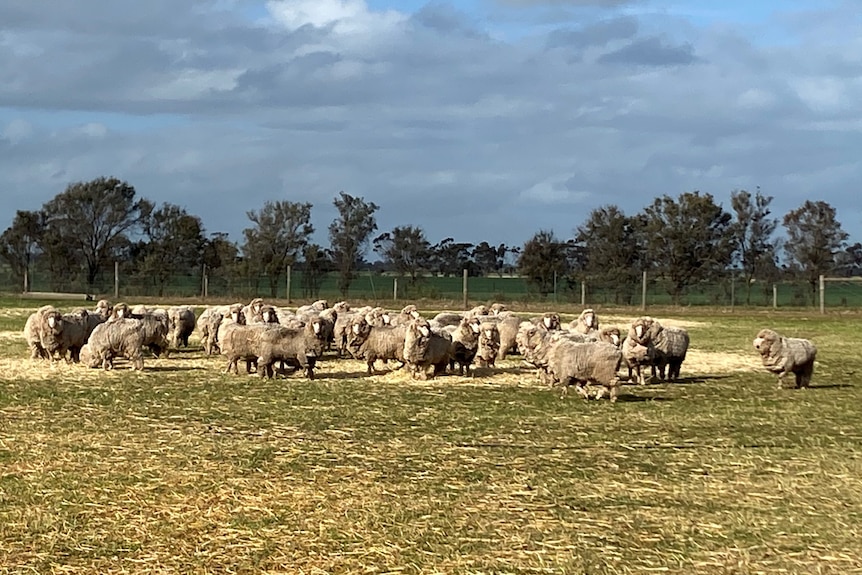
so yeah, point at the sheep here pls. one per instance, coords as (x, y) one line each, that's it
(239, 341)
(560, 360)
(181, 324)
(489, 344)
(208, 323)
(587, 322)
(253, 311)
(313, 308)
(445, 318)
(423, 348)
(120, 310)
(406, 315)
(608, 334)
(465, 343)
(119, 337)
(63, 333)
(782, 355)
(671, 345)
(583, 364)
(155, 328)
(33, 332)
(103, 309)
(234, 315)
(637, 356)
(497, 308)
(300, 347)
(370, 343)
(549, 321)
(480, 309)
(508, 328)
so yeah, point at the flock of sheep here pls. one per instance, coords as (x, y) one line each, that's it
(272, 340)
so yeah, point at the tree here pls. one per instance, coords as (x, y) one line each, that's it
(451, 258)
(688, 240)
(19, 244)
(221, 258)
(281, 230)
(544, 261)
(814, 239)
(348, 236)
(849, 262)
(405, 250)
(613, 246)
(752, 230)
(174, 245)
(314, 266)
(93, 220)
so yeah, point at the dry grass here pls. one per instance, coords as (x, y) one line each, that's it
(182, 469)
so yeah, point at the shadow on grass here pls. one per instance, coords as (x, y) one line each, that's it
(627, 398)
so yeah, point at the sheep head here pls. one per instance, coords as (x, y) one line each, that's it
(765, 340)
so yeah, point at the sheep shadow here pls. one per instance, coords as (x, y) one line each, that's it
(629, 398)
(829, 386)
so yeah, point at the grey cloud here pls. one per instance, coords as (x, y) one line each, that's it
(598, 34)
(653, 51)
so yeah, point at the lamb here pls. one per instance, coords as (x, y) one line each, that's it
(587, 322)
(465, 344)
(300, 347)
(370, 343)
(120, 337)
(33, 332)
(423, 348)
(489, 344)
(181, 324)
(63, 333)
(782, 355)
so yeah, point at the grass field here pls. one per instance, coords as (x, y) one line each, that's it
(182, 469)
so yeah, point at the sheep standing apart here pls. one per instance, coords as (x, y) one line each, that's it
(489, 344)
(118, 338)
(587, 322)
(370, 343)
(424, 348)
(298, 347)
(181, 324)
(62, 333)
(465, 344)
(33, 332)
(782, 355)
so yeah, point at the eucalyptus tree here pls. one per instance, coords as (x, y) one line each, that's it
(814, 241)
(93, 221)
(405, 250)
(756, 249)
(173, 246)
(281, 230)
(19, 243)
(544, 260)
(688, 240)
(349, 234)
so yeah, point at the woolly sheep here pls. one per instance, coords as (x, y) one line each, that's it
(299, 347)
(181, 324)
(782, 355)
(62, 333)
(423, 348)
(587, 322)
(118, 338)
(489, 344)
(465, 344)
(583, 364)
(33, 332)
(370, 343)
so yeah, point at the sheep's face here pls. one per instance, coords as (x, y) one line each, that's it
(615, 338)
(422, 328)
(121, 311)
(54, 321)
(589, 318)
(764, 341)
(474, 324)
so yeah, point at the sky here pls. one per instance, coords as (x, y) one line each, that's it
(479, 120)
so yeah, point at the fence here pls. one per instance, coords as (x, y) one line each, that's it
(730, 291)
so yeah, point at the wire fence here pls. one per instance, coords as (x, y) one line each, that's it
(729, 291)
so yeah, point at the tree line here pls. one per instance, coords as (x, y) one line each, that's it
(81, 232)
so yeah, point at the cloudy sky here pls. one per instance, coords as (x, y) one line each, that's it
(473, 119)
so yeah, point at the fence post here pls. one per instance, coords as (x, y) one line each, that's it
(822, 295)
(732, 290)
(26, 280)
(775, 296)
(643, 292)
(203, 281)
(287, 288)
(555, 286)
(584, 293)
(464, 288)
(116, 280)
(394, 289)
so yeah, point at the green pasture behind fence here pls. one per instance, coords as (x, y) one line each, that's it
(374, 286)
